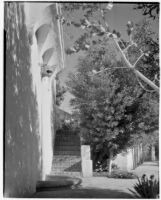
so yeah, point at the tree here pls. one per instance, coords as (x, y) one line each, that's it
(149, 9)
(100, 28)
(112, 107)
(138, 56)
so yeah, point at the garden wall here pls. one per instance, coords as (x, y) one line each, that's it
(129, 159)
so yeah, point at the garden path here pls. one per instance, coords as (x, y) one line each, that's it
(102, 187)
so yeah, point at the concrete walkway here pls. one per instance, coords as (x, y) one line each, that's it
(102, 187)
(148, 168)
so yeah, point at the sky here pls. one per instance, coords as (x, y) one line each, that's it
(117, 18)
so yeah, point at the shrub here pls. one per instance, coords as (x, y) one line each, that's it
(146, 188)
(122, 175)
(114, 166)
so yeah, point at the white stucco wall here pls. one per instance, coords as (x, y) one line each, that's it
(130, 159)
(124, 161)
(22, 131)
(44, 38)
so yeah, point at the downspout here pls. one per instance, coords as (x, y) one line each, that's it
(53, 77)
(61, 38)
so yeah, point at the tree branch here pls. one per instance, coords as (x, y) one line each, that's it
(143, 86)
(130, 66)
(139, 74)
(127, 47)
(123, 55)
(107, 69)
(138, 59)
(133, 43)
(146, 80)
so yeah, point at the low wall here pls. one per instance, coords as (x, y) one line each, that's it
(124, 161)
(129, 159)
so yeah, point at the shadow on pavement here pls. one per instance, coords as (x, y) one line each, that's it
(84, 193)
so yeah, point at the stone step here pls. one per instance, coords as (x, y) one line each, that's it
(65, 171)
(68, 141)
(73, 174)
(74, 166)
(72, 153)
(67, 160)
(61, 144)
(67, 148)
(67, 135)
(65, 157)
(66, 164)
(72, 140)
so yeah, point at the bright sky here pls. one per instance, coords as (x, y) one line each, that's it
(117, 18)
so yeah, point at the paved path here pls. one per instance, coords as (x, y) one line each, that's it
(148, 168)
(102, 187)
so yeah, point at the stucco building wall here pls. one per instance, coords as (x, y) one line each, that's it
(22, 143)
(28, 130)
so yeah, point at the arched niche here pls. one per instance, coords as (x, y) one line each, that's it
(47, 55)
(41, 34)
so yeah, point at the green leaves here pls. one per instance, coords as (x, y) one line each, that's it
(114, 111)
(151, 10)
(60, 91)
(146, 188)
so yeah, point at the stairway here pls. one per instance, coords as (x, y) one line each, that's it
(67, 156)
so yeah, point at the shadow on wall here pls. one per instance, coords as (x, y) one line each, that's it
(22, 140)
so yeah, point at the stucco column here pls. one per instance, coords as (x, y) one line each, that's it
(48, 42)
(47, 151)
(87, 169)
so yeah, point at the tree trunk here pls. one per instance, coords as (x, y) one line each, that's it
(152, 153)
(110, 164)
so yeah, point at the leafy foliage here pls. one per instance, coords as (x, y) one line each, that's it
(114, 111)
(60, 91)
(95, 29)
(112, 107)
(146, 188)
(122, 175)
(149, 9)
(91, 23)
(148, 42)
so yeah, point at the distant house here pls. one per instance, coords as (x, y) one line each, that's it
(62, 117)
